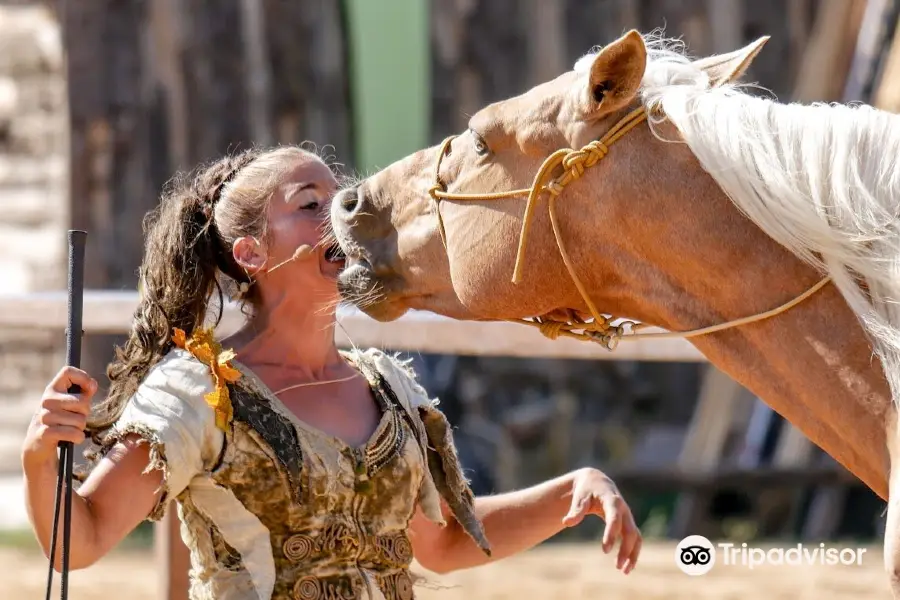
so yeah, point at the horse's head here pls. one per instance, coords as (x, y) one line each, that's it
(412, 242)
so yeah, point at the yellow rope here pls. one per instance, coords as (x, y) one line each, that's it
(568, 323)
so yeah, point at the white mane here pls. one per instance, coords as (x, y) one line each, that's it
(822, 180)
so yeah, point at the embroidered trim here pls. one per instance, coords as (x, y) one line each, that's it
(208, 351)
(390, 440)
(396, 586)
(387, 445)
(335, 587)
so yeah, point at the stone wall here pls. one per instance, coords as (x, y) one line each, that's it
(33, 206)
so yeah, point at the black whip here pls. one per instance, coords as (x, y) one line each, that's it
(67, 449)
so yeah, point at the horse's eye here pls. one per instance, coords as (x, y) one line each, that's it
(481, 148)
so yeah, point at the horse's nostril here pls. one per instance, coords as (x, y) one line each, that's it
(349, 199)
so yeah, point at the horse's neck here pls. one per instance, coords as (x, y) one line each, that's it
(694, 261)
(815, 368)
(812, 364)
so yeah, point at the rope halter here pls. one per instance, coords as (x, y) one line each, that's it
(568, 322)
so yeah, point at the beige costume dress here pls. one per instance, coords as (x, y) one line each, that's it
(272, 508)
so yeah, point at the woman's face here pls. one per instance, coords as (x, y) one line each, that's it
(296, 214)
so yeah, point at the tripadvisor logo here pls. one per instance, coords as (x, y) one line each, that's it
(696, 555)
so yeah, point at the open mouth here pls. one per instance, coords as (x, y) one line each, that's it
(334, 254)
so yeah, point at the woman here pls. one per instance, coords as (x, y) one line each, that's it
(299, 471)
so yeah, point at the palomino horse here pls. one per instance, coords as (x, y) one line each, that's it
(766, 233)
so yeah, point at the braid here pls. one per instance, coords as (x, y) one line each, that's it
(208, 188)
(225, 171)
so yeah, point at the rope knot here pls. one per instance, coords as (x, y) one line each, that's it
(574, 161)
(596, 151)
(555, 188)
(551, 329)
(435, 189)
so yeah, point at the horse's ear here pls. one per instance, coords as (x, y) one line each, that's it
(616, 74)
(727, 68)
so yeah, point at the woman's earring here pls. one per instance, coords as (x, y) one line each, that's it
(244, 286)
(242, 289)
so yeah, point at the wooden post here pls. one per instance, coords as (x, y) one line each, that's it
(704, 444)
(546, 51)
(172, 557)
(875, 34)
(168, 34)
(829, 53)
(725, 20)
(887, 96)
(258, 71)
(310, 93)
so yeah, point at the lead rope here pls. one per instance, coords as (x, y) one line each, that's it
(567, 322)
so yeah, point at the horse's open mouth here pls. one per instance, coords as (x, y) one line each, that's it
(360, 287)
(334, 254)
(356, 282)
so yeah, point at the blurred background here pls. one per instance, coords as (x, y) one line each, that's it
(102, 101)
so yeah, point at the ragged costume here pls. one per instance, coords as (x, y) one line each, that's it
(274, 509)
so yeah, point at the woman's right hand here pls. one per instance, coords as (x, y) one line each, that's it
(62, 417)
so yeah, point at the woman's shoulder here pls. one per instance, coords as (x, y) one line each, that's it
(175, 387)
(179, 373)
(179, 361)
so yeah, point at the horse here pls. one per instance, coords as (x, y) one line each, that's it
(658, 186)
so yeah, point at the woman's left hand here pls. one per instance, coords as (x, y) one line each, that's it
(593, 493)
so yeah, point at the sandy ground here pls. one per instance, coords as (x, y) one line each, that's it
(13, 514)
(563, 572)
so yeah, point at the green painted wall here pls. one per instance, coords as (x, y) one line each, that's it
(390, 59)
